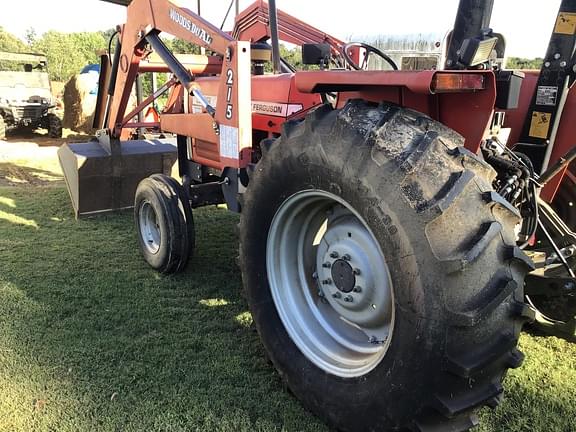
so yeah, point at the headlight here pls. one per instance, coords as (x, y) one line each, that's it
(476, 51)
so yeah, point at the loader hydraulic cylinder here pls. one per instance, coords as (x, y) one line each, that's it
(166, 55)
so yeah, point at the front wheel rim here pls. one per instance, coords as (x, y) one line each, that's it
(330, 283)
(149, 227)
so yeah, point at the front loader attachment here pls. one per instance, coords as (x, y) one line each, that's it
(100, 180)
(103, 175)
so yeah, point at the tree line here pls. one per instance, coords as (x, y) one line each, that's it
(68, 53)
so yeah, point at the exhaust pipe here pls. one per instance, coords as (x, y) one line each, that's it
(273, 17)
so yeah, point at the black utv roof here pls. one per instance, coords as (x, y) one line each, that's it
(118, 2)
(22, 57)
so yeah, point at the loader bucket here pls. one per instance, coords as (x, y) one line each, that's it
(100, 180)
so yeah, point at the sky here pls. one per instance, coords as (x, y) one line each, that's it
(526, 24)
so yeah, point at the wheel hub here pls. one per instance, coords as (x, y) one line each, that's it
(349, 273)
(343, 276)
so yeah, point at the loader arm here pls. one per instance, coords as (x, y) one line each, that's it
(230, 123)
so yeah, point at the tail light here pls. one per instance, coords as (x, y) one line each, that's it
(457, 82)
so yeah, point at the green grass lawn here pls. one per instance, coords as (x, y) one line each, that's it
(91, 339)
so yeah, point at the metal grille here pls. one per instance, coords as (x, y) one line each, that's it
(31, 112)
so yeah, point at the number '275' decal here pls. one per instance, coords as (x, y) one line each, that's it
(229, 83)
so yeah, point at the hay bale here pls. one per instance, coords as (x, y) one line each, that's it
(79, 104)
(80, 94)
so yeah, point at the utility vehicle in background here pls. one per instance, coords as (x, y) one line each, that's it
(26, 100)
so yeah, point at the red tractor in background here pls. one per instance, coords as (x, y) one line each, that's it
(397, 228)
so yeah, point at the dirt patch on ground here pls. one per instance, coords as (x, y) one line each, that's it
(17, 175)
(41, 139)
(30, 158)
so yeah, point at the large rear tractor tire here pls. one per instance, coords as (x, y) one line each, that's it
(54, 126)
(164, 223)
(381, 270)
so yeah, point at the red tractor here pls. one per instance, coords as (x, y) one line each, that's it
(392, 241)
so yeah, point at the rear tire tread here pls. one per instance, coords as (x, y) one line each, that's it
(292, 128)
(523, 312)
(494, 199)
(265, 146)
(415, 156)
(472, 161)
(498, 293)
(486, 234)
(453, 193)
(451, 406)
(516, 255)
(438, 423)
(485, 357)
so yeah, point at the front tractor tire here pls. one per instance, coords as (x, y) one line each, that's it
(381, 270)
(164, 223)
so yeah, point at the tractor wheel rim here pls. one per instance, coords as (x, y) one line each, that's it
(330, 283)
(149, 227)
